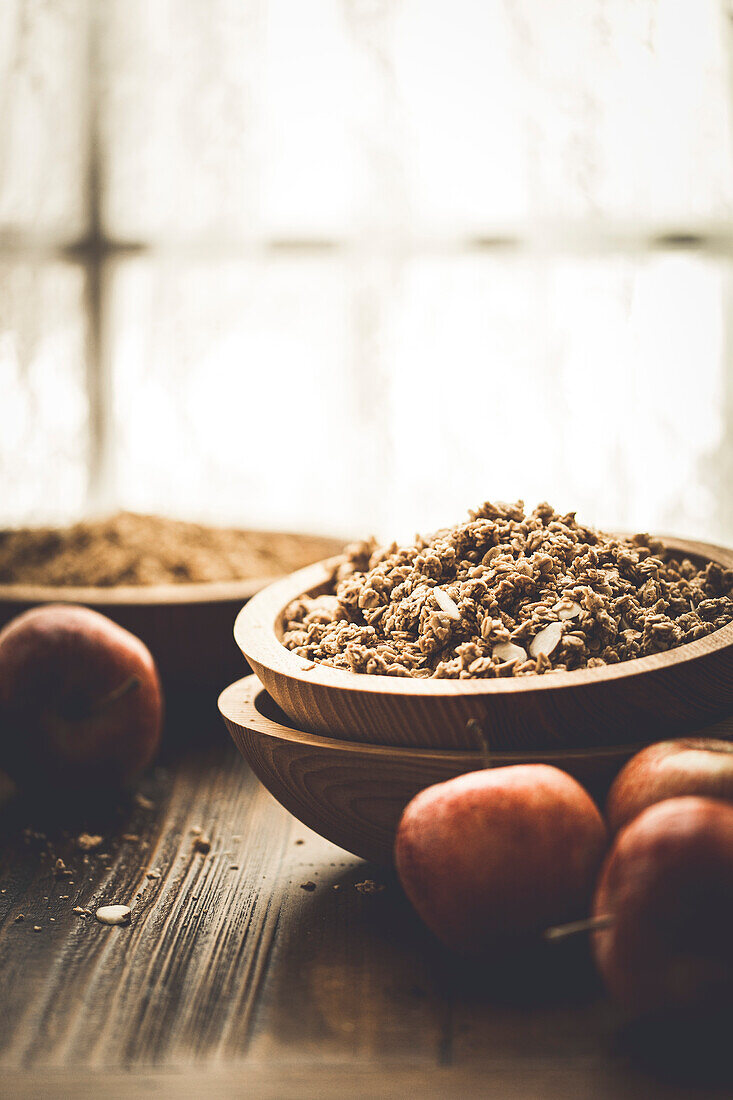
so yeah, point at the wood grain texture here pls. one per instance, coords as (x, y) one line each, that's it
(664, 694)
(354, 794)
(233, 980)
(187, 627)
(498, 1078)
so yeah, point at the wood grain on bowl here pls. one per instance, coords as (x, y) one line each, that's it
(354, 794)
(187, 627)
(654, 697)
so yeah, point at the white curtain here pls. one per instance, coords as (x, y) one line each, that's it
(357, 265)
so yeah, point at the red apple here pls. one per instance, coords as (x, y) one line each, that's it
(690, 765)
(499, 854)
(80, 699)
(667, 891)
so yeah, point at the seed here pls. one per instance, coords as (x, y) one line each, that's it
(113, 914)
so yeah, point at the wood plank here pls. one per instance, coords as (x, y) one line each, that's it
(351, 981)
(162, 986)
(505, 1080)
(234, 980)
(194, 977)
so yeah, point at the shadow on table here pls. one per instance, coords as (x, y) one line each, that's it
(381, 917)
(689, 1049)
(47, 814)
(692, 1051)
(193, 726)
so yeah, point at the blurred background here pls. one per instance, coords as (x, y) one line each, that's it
(355, 266)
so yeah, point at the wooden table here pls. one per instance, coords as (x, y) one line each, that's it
(264, 969)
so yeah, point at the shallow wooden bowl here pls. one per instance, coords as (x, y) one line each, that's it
(187, 627)
(353, 794)
(662, 695)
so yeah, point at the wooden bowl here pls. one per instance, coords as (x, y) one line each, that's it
(662, 695)
(353, 794)
(187, 627)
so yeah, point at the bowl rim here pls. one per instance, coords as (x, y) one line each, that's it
(133, 595)
(239, 704)
(255, 632)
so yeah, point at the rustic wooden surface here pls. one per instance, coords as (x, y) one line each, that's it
(354, 794)
(641, 700)
(234, 979)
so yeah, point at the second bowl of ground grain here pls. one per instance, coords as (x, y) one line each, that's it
(177, 585)
(526, 630)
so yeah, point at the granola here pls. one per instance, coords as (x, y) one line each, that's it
(507, 594)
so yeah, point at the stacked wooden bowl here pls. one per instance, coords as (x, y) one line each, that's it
(345, 752)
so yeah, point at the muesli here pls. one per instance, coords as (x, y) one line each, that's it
(507, 594)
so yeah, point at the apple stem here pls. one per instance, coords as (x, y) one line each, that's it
(132, 683)
(474, 727)
(576, 927)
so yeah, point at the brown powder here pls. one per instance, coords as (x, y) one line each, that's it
(131, 549)
(508, 594)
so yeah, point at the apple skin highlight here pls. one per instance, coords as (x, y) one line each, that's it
(500, 854)
(670, 769)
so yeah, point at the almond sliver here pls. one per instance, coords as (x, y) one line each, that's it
(446, 604)
(547, 640)
(567, 609)
(508, 651)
